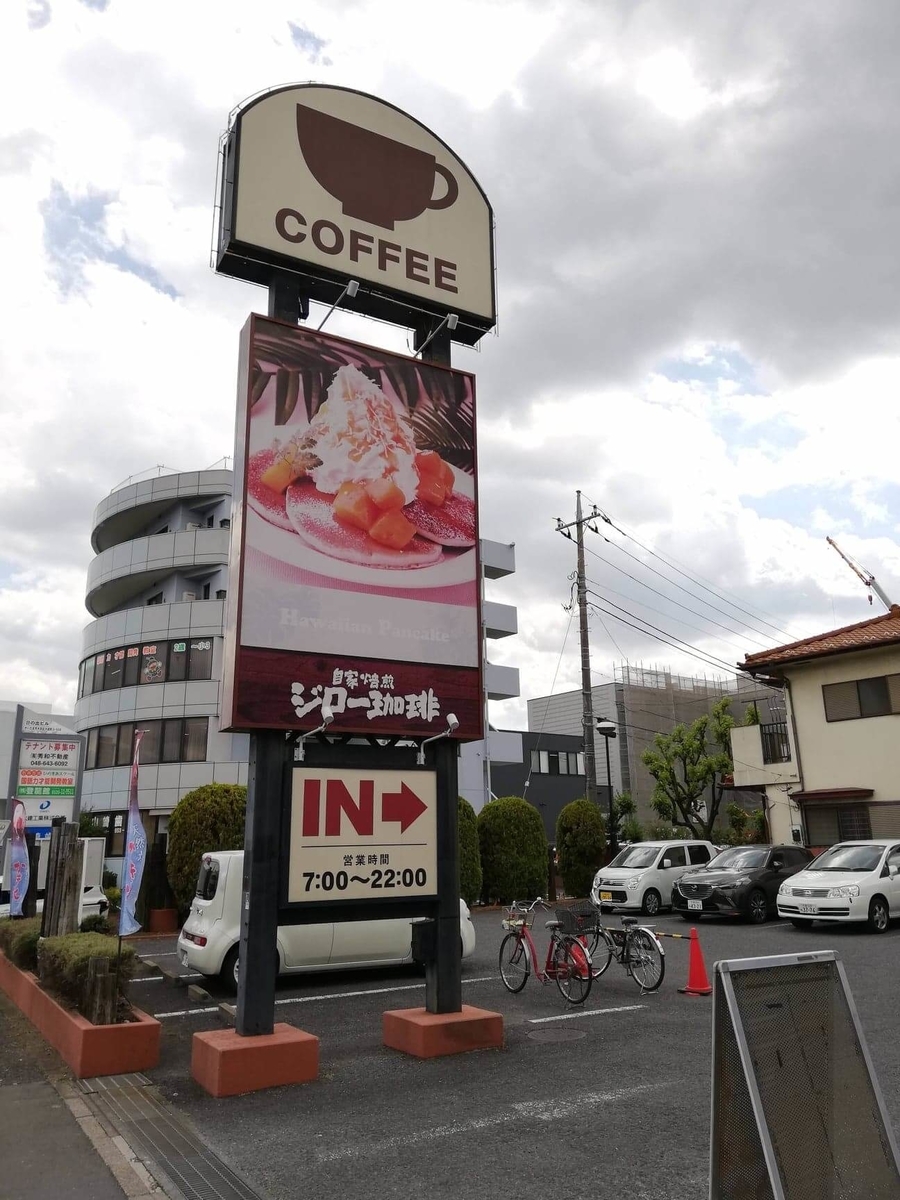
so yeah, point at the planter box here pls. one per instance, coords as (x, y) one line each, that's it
(88, 1049)
(163, 920)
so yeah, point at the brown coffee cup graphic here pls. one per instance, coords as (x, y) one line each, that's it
(376, 178)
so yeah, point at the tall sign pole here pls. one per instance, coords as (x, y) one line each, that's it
(587, 699)
(353, 627)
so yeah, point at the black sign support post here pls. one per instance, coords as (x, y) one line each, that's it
(258, 952)
(443, 976)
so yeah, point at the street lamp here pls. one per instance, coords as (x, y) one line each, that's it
(607, 730)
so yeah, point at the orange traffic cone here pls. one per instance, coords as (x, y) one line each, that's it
(698, 980)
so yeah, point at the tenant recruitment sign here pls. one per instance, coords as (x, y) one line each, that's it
(334, 184)
(354, 575)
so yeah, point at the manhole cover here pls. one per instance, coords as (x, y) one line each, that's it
(557, 1035)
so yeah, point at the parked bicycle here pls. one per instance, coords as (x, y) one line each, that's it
(635, 947)
(568, 959)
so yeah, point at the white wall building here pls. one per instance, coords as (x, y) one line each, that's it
(152, 656)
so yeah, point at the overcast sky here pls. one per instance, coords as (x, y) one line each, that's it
(697, 211)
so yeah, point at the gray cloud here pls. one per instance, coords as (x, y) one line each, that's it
(74, 235)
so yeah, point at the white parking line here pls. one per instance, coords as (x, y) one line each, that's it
(590, 1012)
(159, 978)
(405, 987)
(535, 1110)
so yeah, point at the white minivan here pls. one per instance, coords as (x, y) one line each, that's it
(640, 877)
(209, 940)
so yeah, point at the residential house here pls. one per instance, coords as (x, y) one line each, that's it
(831, 771)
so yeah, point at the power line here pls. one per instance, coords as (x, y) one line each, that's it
(672, 563)
(662, 595)
(678, 604)
(660, 636)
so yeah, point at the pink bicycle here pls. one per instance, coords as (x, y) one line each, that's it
(568, 958)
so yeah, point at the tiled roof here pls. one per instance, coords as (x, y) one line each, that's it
(864, 635)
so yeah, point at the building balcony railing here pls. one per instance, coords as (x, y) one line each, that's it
(776, 745)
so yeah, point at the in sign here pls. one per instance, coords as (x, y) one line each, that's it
(362, 834)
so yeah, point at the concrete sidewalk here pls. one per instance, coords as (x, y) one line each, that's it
(51, 1145)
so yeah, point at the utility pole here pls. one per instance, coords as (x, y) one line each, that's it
(587, 701)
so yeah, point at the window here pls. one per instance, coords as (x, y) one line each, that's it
(125, 745)
(563, 763)
(675, 855)
(115, 837)
(99, 664)
(853, 823)
(206, 591)
(535, 762)
(194, 739)
(115, 669)
(200, 659)
(210, 521)
(698, 854)
(132, 666)
(159, 598)
(178, 662)
(90, 755)
(153, 663)
(893, 859)
(106, 746)
(150, 744)
(874, 700)
(878, 696)
(545, 763)
(171, 743)
(208, 879)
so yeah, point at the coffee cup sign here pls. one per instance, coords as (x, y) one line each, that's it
(338, 185)
(376, 178)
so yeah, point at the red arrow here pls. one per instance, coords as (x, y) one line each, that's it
(403, 806)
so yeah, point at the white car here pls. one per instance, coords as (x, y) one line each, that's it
(208, 943)
(853, 881)
(641, 875)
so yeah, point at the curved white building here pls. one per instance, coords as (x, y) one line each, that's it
(152, 657)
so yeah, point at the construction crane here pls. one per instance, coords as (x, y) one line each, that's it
(866, 576)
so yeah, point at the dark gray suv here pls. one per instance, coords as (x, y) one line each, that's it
(741, 881)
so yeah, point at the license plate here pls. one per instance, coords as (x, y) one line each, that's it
(606, 895)
(807, 908)
(695, 905)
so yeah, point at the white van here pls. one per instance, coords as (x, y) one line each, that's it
(208, 943)
(93, 898)
(640, 877)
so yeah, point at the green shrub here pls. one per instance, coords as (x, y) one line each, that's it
(114, 896)
(470, 876)
(208, 818)
(95, 923)
(580, 843)
(632, 830)
(19, 940)
(110, 879)
(63, 963)
(513, 850)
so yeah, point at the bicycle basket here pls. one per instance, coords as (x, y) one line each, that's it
(514, 918)
(578, 918)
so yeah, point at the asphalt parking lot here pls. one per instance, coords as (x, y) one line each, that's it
(609, 1100)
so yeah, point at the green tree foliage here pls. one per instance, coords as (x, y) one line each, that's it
(469, 853)
(689, 765)
(513, 850)
(208, 818)
(580, 842)
(751, 714)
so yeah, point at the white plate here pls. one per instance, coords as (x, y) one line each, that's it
(695, 905)
(456, 566)
(807, 908)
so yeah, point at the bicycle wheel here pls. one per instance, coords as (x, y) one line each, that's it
(646, 962)
(601, 952)
(572, 969)
(514, 965)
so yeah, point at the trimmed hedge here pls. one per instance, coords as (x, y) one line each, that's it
(208, 818)
(580, 843)
(513, 850)
(63, 963)
(19, 941)
(470, 875)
